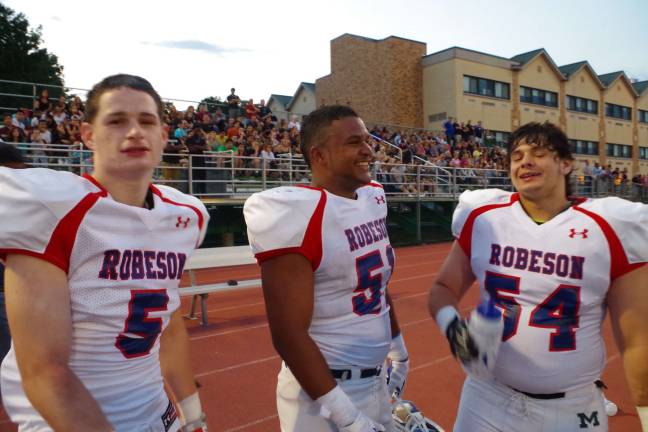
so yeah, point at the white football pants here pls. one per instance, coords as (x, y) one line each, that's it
(489, 406)
(299, 413)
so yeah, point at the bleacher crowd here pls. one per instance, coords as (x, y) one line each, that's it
(252, 132)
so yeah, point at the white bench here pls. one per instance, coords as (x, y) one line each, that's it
(210, 258)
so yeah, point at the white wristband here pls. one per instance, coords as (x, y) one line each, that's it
(190, 408)
(643, 417)
(397, 349)
(445, 316)
(337, 407)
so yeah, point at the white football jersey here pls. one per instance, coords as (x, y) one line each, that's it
(123, 265)
(551, 280)
(347, 244)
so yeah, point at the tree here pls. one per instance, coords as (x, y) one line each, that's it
(23, 59)
(212, 103)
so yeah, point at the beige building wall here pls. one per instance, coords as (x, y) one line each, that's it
(619, 131)
(583, 126)
(539, 74)
(440, 93)
(495, 113)
(642, 131)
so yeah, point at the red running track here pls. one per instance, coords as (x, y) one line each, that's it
(235, 362)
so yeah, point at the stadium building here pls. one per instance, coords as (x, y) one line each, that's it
(392, 81)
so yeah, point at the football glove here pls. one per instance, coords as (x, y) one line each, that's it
(362, 423)
(407, 418)
(397, 373)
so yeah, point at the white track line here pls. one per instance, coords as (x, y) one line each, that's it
(237, 366)
(256, 422)
(205, 336)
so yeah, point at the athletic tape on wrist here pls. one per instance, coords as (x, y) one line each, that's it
(397, 349)
(337, 407)
(643, 417)
(445, 316)
(191, 408)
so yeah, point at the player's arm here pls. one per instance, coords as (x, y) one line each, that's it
(628, 304)
(175, 362)
(38, 305)
(453, 281)
(398, 355)
(288, 289)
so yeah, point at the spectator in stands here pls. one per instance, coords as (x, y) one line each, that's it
(233, 102)
(59, 115)
(16, 136)
(197, 145)
(7, 126)
(478, 130)
(251, 111)
(43, 103)
(264, 110)
(181, 131)
(449, 128)
(294, 123)
(20, 121)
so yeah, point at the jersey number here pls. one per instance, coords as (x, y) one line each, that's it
(140, 325)
(367, 300)
(559, 311)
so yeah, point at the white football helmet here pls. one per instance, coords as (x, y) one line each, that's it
(407, 418)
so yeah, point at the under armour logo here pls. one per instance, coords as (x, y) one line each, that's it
(573, 233)
(183, 223)
(380, 199)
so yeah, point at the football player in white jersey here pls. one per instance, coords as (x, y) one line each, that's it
(554, 265)
(92, 270)
(325, 263)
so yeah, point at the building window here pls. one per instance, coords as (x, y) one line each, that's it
(575, 103)
(498, 138)
(618, 111)
(643, 153)
(486, 87)
(584, 147)
(643, 116)
(619, 151)
(538, 97)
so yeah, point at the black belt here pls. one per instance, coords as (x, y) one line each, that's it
(544, 396)
(346, 374)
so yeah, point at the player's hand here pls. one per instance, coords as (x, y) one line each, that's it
(465, 349)
(397, 374)
(362, 423)
(475, 350)
(199, 425)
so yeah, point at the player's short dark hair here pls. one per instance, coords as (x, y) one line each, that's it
(316, 122)
(547, 135)
(10, 156)
(119, 81)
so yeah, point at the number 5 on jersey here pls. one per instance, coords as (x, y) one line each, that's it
(559, 311)
(369, 289)
(139, 324)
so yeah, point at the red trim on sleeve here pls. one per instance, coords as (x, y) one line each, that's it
(157, 192)
(49, 259)
(619, 263)
(311, 246)
(465, 237)
(61, 242)
(375, 184)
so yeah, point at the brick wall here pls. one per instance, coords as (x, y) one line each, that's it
(381, 79)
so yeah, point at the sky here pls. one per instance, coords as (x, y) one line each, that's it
(190, 50)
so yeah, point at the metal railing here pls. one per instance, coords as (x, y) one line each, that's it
(226, 175)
